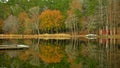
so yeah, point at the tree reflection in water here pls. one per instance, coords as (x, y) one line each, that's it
(75, 53)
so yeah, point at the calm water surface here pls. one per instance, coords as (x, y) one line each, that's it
(73, 53)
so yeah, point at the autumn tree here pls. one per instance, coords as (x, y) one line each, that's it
(51, 20)
(24, 23)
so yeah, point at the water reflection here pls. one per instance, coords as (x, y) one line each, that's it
(74, 53)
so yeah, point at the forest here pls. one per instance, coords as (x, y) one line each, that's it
(59, 16)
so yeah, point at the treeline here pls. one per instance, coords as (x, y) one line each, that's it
(57, 16)
(40, 16)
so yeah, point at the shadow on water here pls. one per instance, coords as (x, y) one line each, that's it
(71, 53)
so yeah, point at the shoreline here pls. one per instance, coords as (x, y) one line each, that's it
(35, 36)
(49, 36)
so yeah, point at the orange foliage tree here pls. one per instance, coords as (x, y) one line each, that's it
(51, 54)
(25, 23)
(51, 19)
(22, 16)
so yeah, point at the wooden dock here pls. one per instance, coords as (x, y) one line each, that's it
(13, 47)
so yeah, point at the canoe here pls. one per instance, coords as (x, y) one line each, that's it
(13, 47)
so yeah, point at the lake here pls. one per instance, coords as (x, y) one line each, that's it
(70, 53)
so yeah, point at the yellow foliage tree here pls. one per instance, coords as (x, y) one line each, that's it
(51, 54)
(51, 19)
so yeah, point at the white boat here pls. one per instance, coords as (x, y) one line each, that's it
(91, 36)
